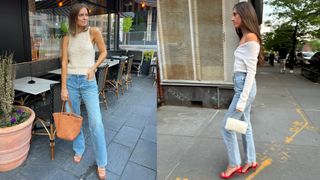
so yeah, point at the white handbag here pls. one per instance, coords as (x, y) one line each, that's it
(236, 125)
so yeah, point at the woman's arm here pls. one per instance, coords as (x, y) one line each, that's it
(98, 40)
(251, 60)
(64, 69)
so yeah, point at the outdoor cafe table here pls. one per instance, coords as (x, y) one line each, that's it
(107, 61)
(40, 85)
(121, 58)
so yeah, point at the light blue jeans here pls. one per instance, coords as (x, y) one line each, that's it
(79, 87)
(230, 137)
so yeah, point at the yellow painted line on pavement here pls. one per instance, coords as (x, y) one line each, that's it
(298, 127)
(263, 165)
(306, 123)
(288, 140)
(179, 178)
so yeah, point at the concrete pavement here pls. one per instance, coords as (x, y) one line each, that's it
(286, 125)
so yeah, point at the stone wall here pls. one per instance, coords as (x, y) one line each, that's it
(191, 40)
(196, 44)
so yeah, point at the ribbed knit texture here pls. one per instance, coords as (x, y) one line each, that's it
(246, 59)
(81, 53)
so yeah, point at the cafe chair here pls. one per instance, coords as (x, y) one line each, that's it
(127, 75)
(137, 61)
(153, 69)
(116, 84)
(44, 115)
(102, 74)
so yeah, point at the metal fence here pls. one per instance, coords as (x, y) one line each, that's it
(138, 38)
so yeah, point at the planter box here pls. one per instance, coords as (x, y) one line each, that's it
(145, 67)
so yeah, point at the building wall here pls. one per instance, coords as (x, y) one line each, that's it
(14, 31)
(196, 44)
(191, 36)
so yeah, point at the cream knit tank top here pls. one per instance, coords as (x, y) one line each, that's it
(81, 53)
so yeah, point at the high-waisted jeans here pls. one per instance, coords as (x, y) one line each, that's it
(79, 87)
(230, 137)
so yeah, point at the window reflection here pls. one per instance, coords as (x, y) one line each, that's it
(46, 27)
(45, 34)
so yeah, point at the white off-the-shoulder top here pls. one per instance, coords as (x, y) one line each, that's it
(246, 59)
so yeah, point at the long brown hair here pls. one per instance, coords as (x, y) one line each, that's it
(73, 17)
(249, 21)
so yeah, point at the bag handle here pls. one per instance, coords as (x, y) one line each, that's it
(236, 114)
(63, 108)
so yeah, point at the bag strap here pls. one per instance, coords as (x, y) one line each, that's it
(63, 108)
(236, 114)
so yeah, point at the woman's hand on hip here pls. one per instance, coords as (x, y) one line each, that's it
(238, 110)
(90, 74)
(64, 95)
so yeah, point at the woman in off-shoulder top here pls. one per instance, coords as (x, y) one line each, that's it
(247, 57)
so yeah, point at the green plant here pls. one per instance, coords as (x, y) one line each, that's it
(127, 24)
(148, 55)
(9, 115)
(126, 27)
(64, 27)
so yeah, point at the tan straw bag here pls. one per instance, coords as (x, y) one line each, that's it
(68, 124)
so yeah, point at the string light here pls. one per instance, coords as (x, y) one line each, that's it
(60, 4)
(143, 4)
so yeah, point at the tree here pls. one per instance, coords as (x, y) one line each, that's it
(126, 27)
(278, 39)
(315, 44)
(299, 19)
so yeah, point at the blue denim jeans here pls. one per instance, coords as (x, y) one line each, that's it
(80, 88)
(230, 137)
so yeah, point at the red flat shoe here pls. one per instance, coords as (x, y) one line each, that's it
(223, 175)
(250, 167)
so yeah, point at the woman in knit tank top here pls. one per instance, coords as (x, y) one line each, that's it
(247, 56)
(78, 81)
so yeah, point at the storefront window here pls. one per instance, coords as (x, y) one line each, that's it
(100, 21)
(47, 22)
(112, 30)
(46, 30)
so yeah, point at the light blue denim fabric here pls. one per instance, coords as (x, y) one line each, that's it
(80, 88)
(230, 137)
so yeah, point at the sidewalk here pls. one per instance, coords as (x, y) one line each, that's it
(130, 124)
(285, 120)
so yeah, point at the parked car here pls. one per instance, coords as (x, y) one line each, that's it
(304, 57)
(314, 62)
(307, 55)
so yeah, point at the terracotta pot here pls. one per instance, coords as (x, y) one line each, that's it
(15, 143)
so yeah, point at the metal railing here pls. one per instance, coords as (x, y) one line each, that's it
(138, 38)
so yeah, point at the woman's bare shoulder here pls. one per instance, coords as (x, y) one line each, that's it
(252, 37)
(94, 30)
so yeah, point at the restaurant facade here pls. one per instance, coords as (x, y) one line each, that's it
(33, 29)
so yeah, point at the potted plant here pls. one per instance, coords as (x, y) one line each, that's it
(147, 56)
(15, 121)
(126, 28)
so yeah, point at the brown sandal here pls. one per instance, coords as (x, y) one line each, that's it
(77, 159)
(101, 172)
